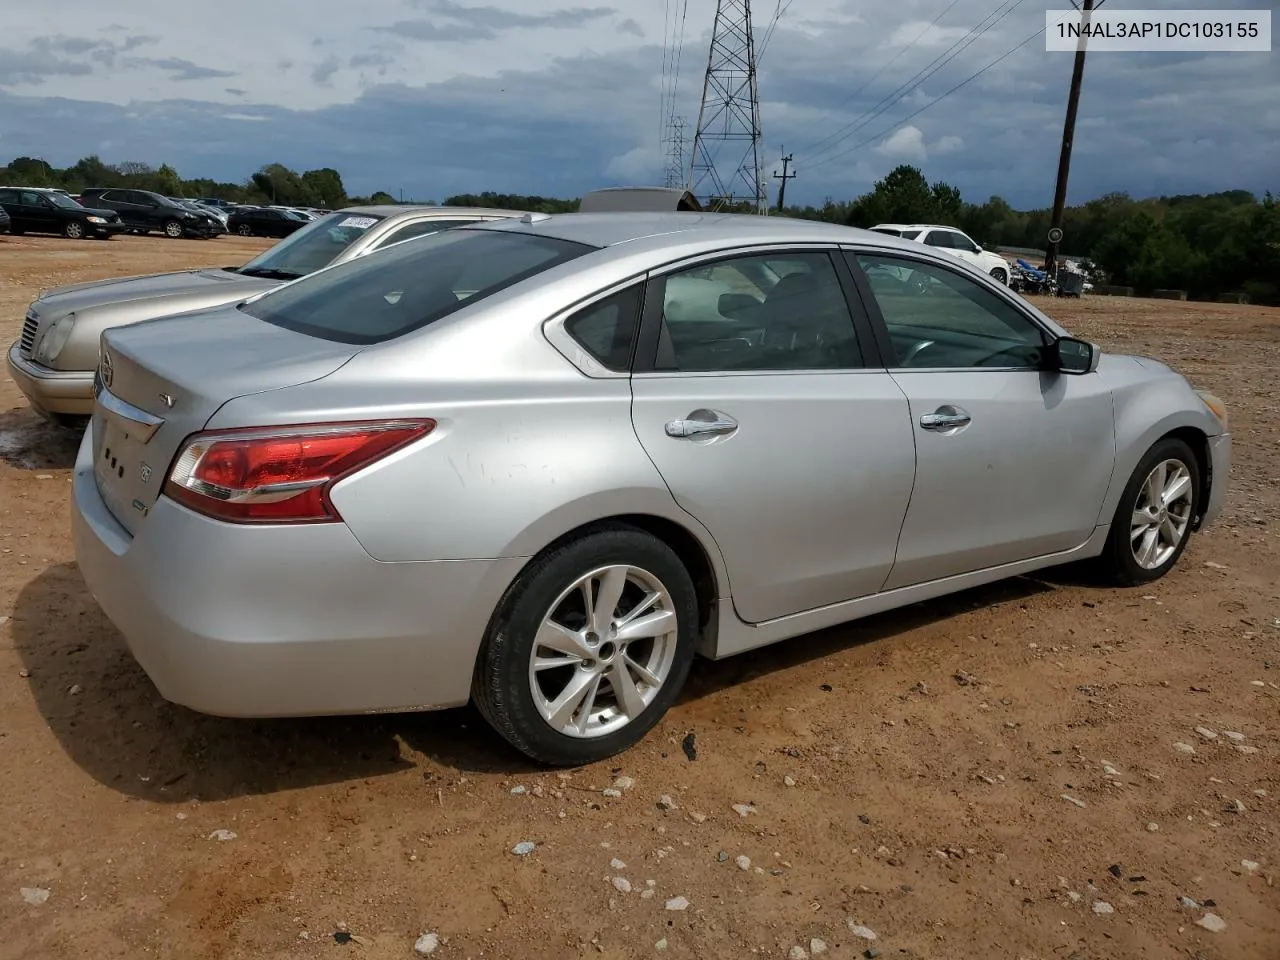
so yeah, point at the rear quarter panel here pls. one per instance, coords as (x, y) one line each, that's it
(526, 447)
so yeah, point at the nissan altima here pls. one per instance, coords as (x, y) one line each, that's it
(540, 464)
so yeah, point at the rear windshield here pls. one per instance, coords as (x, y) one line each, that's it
(406, 286)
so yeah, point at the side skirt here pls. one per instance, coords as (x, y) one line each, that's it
(734, 636)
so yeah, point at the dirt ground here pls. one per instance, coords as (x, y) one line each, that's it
(909, 774)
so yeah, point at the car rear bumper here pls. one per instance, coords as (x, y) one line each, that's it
(276, 621)
(1220, 467)
(51, 391)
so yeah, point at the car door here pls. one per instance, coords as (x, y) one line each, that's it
(964, 248)
(943, 240)
(118, 200)
(1012, 460)
(39, 213)
(754, 398)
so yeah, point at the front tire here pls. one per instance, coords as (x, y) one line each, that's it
(1152, 522)
(173, 230)
(73, 230)
(244, 230)
(1001, 276)
(589, 647)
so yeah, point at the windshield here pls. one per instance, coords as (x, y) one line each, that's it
(309, 248)
(410, 285)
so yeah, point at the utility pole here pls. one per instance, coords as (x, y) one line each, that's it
(1064, 159)
(784, 177)
(730, 113)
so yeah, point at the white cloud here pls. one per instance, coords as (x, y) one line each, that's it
(906, 144)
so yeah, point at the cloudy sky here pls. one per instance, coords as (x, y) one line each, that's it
(555, 97)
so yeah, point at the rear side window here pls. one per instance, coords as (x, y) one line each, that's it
(607, 328)
(372, 299)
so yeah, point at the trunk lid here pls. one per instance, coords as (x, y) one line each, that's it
(160, 381)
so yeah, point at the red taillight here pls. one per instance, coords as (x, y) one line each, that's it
(281, 474)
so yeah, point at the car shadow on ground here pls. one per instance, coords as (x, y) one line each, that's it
(29, 442)
(113, 724)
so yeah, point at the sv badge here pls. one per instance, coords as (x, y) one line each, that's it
(144, 473)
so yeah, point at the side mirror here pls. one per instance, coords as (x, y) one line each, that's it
(1069, 355)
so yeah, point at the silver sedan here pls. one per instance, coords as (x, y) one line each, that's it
(540, 464)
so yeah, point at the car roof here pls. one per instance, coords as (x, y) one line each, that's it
(611, 229)
(395, 209)
(5, 186)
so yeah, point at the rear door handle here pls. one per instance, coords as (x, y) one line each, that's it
(939, 420)
(701, 423)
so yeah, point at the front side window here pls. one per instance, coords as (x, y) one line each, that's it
(419, 229)
(938, 318)
(372, 299)
(64, 201)
(767, 312)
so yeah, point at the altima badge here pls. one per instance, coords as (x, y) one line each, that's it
(166, 399)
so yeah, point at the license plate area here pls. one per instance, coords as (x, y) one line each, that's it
(125, 481)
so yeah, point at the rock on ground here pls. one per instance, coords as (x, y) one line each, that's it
(426, 944)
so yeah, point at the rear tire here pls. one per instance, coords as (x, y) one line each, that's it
(1151, 526)
(244, 230)
(517, 694)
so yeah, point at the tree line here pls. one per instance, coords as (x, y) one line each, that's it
(1208, 245)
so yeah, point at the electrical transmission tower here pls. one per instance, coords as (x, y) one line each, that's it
(730, 116)
(675, 176)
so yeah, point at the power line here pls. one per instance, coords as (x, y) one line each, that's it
(935, 100)
(875, 76)
(983, 26)
(666, 52)
(778, 13)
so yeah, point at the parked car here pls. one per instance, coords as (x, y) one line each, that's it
(264, 222)
(534, 465)
(953, 241)
(144, 212)
(39, 210)
(4, 220)
(219, 216)
(53, 360)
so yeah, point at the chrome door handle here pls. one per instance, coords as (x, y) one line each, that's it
(685, 429)
(944, 421)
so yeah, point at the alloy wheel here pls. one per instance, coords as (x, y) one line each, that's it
(173, 230)
(1161, 514)
(74, 231)
(603, 651)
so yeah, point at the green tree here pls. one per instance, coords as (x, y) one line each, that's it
(326, 187)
